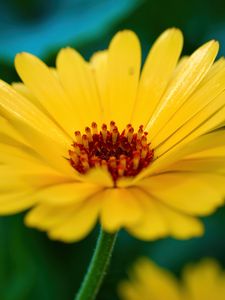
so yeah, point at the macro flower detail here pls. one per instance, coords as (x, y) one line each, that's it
(122, 154)
(108, 141)
(204, 280)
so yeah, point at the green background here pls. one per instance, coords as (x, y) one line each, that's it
(32, 266)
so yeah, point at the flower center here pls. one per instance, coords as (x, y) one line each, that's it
(122, 154)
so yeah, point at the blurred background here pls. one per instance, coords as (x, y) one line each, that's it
(32, 266)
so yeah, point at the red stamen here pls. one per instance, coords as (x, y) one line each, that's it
(94, 127)
(88, 133)
(104, 132)
(114, 135)
(112, 126)
(85, 141)
(122, 154)
(78, 137)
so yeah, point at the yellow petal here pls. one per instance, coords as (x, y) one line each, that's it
(68, 193)
(19, 169)
(24, 91)
(45, 216)
(207, 272)
(124, 59)
(206, 120)
(17, 156)
(8, 134)
(10, 181)
(189, 193)
(40, 80)
(78, 81)
(45, 179)
(120, 208)
(22, 159)
(152, 225)
(98, 64)
(16, 201)
(205, 143)
(216, 154)
(15, 106)
(181, 226)
(180, 143)
(98, 176)
(67, 223)
(79, 224)
(158, 68)
(181, 63)
(23, 163)
(210, 88)
(160, 220)
(183, 85)
(207, 164)
(51, 152)
(128, 291)
(215, 68)
(210, 145)
(156, 282)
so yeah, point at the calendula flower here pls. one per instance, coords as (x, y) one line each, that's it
(103, 140)
(202, 281)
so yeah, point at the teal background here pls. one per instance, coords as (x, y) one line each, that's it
(32, 266)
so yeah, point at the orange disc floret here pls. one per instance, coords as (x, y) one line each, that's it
(123, 154)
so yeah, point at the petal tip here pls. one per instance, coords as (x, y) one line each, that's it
(23, 54)
(174, 33)
(211, 46)
(124, 35)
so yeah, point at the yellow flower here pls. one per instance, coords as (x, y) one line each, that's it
(204, 281)
(102, 140)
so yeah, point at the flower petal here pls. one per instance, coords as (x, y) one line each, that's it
(79, 224)
(153, 282)
(129, 291)
(119, 208)
(68, 223)
(205, 164)
(40, 80)
(18, 157)
(67, 193)
(209, 90)
(53, 153)
(157, 71)
(16, 201)
(98, 176)
(15, 106)
(78, 81)
(152, 225)
(123, 69)
(181, 226)
(189, 193)
(22, 89)
(206, 272)
(98, 64)
(186, 137)
(205, 144)
(183, 85)
(20, 165)
(8, 134)
(44, 216)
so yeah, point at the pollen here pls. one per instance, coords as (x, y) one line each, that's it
(123, 153)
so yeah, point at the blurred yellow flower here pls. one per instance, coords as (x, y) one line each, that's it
(204, 281)
(149, 161)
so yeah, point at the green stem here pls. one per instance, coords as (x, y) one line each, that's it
(97, 267)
